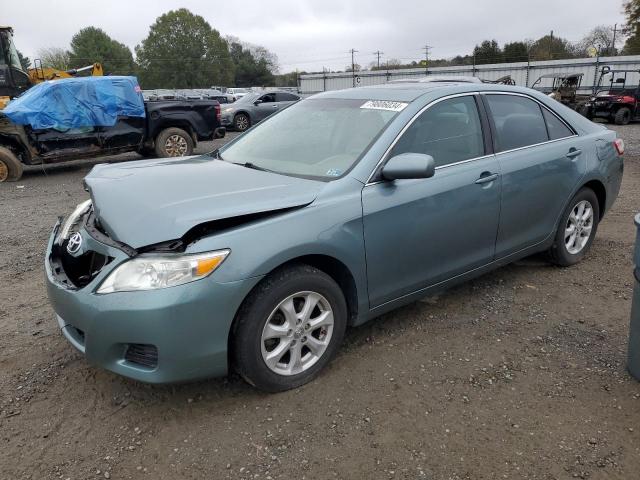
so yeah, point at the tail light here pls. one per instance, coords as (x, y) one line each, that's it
(218, 114)
(618, 143)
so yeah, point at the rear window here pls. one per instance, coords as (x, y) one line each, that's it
(556, 127)
(518, 120)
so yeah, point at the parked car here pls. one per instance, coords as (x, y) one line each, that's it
(237, 93)
(255, 107)
(332, 212)
(617, 97)
(73, 128)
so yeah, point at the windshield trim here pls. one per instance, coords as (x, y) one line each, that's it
(218, 153)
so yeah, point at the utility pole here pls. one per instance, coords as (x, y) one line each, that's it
(378, 53)
(353, 51)
(551, 46)
(426, 49)
(613, 43)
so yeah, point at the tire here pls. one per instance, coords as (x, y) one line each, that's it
(251, 344)
(241, 122)
(173, 142)
(10, 166)
(622, 116)
(564, 253)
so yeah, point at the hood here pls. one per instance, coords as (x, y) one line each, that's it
(152, 201)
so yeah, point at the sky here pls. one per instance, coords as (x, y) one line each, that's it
(312, 34)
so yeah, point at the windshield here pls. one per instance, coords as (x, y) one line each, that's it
(318, 138)
(14, 60)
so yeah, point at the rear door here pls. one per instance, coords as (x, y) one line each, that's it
(541, 161)
(285, 99)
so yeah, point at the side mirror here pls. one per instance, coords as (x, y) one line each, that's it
(409, 166)
(257, 102)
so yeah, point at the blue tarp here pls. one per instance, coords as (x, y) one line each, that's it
(77, 102)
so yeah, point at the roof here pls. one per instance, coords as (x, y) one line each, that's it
(408, 92)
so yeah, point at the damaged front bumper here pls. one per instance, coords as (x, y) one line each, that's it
(158, 336)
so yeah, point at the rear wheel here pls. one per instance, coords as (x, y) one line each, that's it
(289, 328)
(173, 142)
(241, 122)
(623, 116)
(577, 229)
(10, 166)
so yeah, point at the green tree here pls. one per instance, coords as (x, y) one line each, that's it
(54, 57)
(249, 70)
(632, 28)
(515, 52)
(24, 61)
(552, 48)
(183, 51)
(91, 45)
(488, 52)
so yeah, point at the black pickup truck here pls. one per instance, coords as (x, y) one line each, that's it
(171, 128)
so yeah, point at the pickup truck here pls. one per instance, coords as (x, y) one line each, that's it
(170, 128)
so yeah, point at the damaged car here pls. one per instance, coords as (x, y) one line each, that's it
(257, 257)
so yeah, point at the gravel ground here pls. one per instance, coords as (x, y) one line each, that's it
(519, 374)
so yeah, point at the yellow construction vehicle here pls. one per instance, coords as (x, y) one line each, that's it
(14, 79)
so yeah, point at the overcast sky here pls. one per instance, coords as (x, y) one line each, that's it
(308, 35)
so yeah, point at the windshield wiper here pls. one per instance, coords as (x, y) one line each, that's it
(253, 166)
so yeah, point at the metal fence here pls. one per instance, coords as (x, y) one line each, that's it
(524, 73)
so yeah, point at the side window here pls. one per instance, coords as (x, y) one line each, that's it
(269, 97)
(556, 128)
(518, 120)
(286, 97)
(449, 131)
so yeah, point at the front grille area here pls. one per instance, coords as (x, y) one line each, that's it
(142, 354)
(76, 271)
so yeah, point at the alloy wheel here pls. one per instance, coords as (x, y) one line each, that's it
(4, 171)
(297, 333)
(579, 226)
(175, 146)
(242, 122)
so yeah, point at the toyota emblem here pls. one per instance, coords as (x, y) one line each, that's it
(74, 243)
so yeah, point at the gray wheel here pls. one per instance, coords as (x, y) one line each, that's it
(241, 122)
(297, 333)
(577, 229)
(288, 328)
(173, 142)
(10, 166)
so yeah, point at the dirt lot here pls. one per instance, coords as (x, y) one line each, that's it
(519, 374)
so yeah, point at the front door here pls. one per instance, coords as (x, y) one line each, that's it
(266, 107)
(421, 232)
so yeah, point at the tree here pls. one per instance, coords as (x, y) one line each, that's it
(515, 52)
(488, 52)
(632, 28)
(249, 70)
(91, 45)
(183, 51)
(54, 57)
(552, 48)
(600, 38)
(24, 61)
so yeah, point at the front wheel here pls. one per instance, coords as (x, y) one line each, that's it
(173, 142)
(623, 116)
(241, 122)
(577, 229)
(289, 328)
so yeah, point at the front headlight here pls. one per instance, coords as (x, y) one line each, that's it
(227, 110)
(150, 272)
(72, 220)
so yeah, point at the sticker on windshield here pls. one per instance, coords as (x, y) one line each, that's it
(384, 105)
(334, 172)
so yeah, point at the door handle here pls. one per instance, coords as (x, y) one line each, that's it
(486, 178)
(275, 106)
(573, 153)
